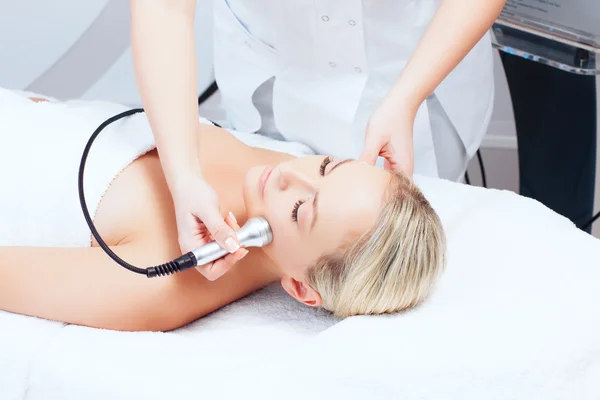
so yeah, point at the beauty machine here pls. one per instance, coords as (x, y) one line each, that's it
(256, 232)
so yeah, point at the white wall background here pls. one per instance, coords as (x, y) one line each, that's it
(69, 48)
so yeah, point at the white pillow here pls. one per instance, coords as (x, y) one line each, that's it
(516, 315)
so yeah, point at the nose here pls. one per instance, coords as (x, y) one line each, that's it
(291, 178)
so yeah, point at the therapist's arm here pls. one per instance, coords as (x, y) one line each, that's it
(453, 31)
(164, 61)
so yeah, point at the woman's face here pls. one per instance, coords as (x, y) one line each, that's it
(313, 204)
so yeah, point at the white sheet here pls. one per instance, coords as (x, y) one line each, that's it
(515, 316)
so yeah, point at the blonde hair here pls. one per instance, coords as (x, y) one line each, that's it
(390, 268)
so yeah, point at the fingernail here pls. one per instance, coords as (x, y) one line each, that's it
(217, 276)
(232, 217)
(231, 245)
(244, 255)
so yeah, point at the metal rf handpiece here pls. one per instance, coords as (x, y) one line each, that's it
(256, 232)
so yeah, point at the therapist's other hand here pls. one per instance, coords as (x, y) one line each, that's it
(199, 221)
(390, 135)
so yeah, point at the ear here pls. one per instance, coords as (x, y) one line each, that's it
(301, 291)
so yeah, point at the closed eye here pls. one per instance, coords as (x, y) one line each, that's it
(295, 210)
(322, 168)
(324, 164)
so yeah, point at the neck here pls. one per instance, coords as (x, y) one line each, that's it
(225, 161)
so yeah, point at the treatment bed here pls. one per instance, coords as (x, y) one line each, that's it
(516, 315)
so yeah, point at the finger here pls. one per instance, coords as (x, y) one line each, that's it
(405, 163)
(189, 243)
(408, 171)
(221, 231)
(387, 165)
(232, 221)
(371, 150)
(193, 234)
(221, 266)
(205, 270)
(403, 166)
(204, 236)
(399, 156)
(390, 162)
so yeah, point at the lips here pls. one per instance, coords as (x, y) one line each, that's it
(262, 181)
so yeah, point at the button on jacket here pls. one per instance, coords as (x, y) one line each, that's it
(333, 62)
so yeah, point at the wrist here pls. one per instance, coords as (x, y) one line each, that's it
(394, 114)
(407, 94)
(179, 172)
(182, 179)
(402, 103)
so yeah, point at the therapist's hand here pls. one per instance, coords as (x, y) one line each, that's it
(199, 221)
(390, 135)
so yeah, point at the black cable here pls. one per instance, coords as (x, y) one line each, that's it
(467, 180)
(207, 94)
(186, 261)
(590, 222)
(482, 168)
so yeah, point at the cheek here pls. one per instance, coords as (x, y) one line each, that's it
(287, 252)
(277, 209)
(280, 222)
(292, 251)
(288, 245)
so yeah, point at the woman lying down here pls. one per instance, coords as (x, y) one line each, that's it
(348, 237)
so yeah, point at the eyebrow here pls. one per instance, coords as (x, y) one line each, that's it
(340, 163)
(316, 199)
